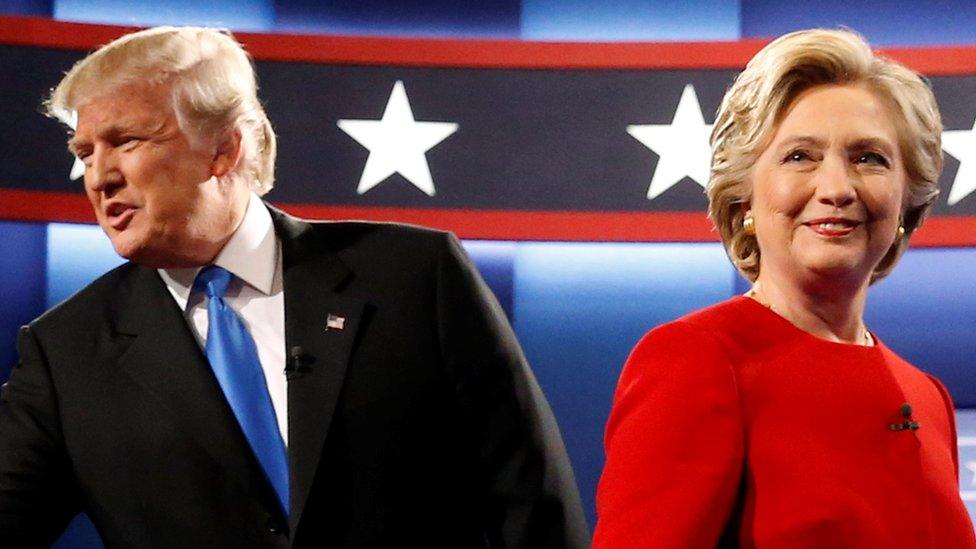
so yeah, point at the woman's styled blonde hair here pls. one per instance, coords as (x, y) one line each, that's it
(211, 82)
(757, 100)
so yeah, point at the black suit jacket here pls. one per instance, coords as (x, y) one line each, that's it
(418, 423)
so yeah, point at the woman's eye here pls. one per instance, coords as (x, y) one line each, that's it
(796, 156)
(873, 158)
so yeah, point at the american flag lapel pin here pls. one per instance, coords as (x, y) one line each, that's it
(335, 322)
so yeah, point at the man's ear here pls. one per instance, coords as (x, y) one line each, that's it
(228, 153)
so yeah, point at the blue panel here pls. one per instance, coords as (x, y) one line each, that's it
(243, 15)
(612, 20)
(77, 255)
(966, 429)
(740, 284)
(580, 308)
(896, 22)
(27, 7)
(496, 262)
(22, 284)
(926, 311)
(443, 18)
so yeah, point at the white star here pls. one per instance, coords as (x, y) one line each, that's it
(78, 168)
(971, 465)
(682, 146)
(962, 145)
(397, 143)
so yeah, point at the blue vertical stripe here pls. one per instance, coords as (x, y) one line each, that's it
(580, 308)
(496, 263)
(891, 23)
(630, 20)
(240, 15)
(23, 283)
(76, 255)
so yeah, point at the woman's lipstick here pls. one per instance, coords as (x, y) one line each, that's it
(833, 227)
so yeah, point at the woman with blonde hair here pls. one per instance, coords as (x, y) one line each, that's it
(777, 419)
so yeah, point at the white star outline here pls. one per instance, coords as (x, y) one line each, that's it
(78, 167)
(961, 144)
(397, 143)
(965, 445)
(682, 146)
(971, 466)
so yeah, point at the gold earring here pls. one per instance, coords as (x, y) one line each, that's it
(900, 232)
(749, 225)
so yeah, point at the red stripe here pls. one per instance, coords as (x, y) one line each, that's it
(45, 206)
(491, 224)
(533, 225)
(946, 231)
(41, 32)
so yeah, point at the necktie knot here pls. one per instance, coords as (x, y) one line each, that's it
(213, 280)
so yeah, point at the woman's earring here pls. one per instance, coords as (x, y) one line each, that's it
(900, 232)
(749, 224)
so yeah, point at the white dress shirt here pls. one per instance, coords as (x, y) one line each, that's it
(253, 256)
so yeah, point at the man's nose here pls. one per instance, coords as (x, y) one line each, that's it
(836, 182)
(101, 173)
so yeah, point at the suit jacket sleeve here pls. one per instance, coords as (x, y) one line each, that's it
(674, 445)
(531, 499)
(38, 495)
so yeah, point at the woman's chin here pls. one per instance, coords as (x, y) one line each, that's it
(842, 270)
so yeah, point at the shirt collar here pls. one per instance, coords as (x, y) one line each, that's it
(250, 254)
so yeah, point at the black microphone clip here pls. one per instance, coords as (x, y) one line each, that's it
(909, 424)
(295, 363)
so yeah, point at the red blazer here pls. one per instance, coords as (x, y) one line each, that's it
(731, 426)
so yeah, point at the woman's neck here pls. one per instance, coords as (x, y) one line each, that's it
(830, 311)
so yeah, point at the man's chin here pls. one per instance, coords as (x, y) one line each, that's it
(126, 253)
(131, 249)
(158, 257)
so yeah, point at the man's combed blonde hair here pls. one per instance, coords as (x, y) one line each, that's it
(212, 85)
(762, 93)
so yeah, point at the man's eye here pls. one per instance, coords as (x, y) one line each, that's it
(873, 158)
(126, 142)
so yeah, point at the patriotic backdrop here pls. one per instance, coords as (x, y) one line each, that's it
(490, 139)
(573, 171)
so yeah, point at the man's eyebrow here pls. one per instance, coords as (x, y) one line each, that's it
(119, 128)
(73, 145)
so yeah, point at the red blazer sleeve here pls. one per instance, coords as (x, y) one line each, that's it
(674, 444)
(951, 417)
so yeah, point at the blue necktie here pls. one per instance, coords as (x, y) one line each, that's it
(234, 360)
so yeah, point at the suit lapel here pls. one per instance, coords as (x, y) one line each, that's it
(312, 274)
(166, 361)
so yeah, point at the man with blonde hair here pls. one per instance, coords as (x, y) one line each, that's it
(249, 379)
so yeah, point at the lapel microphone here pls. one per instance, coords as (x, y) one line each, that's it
(909, 424)
(295, 363)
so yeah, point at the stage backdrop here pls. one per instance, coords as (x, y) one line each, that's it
(573, 171)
